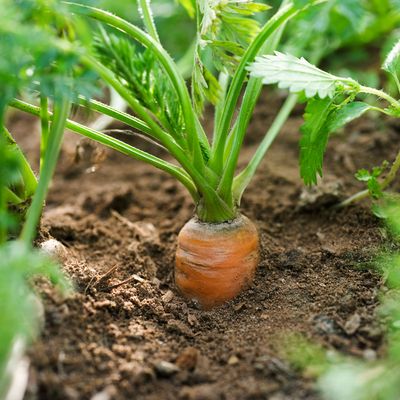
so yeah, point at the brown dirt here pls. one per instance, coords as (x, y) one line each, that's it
(141, 340)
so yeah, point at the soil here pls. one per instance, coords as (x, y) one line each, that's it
(127, 334)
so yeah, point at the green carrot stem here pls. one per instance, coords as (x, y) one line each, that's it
(29, 181)
(147, 16)
(243, 179)
(118, 145)
(166, 61)
(238, 80)
(250, 98)
(44, 120)
(62, 108)
(118, 115)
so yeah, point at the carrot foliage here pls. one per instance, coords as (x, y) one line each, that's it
(166, 108)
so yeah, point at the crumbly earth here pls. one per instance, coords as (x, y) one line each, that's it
(127, 334)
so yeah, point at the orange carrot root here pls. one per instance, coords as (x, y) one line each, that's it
(215, 262)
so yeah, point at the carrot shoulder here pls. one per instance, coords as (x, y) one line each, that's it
(215, 262)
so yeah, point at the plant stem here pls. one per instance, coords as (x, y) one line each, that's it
(210, 207)
(118, 145)
(223, 81)
(116, 114)
(148, 20)
(195, 171)
(243, 179)
(381, 94)
(29, 181)
(385, 183)
(249, 101)
(363, 194)
(166, 61)
(238, 80)
(44, 122)
(61, 110)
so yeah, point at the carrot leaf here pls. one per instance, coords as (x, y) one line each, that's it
(204, 86)
(322, 117)
(296, 74)
(140, 72)
(314, 138)
(228, 27)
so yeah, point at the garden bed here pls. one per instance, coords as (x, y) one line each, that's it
(141, 340)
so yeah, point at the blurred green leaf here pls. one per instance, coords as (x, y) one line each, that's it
(20, 310)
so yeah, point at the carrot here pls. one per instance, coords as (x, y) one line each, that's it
(216, 261)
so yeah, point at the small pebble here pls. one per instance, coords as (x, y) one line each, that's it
(352, 324)
(54, 248)
(240, 306)
(168, 296)
(233, 360)
(165, 368)
(192, 320)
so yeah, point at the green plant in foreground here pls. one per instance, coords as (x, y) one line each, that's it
(20, 308)
(28, 30)
(332, 103)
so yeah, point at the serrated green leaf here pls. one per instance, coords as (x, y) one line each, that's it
(231, 47)
(362, 175)
(230, 23)
(321, 118)
(377, 171)
(314, 139)
(392, 61)
(346, 114)
(295, 74)
(204, 87)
